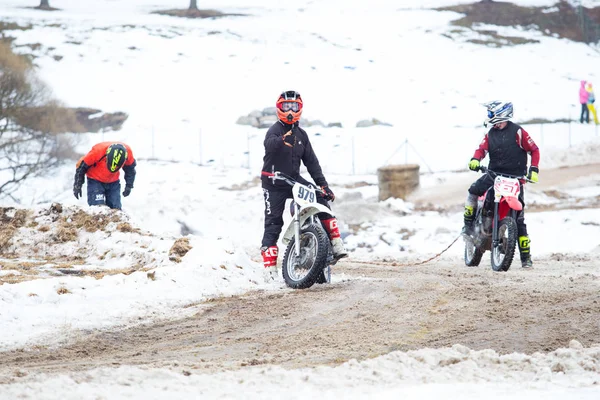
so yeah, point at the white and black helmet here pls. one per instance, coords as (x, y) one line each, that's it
(498, 111)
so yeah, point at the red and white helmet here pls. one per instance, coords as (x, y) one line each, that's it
(289, 107)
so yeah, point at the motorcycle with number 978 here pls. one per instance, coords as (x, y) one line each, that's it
(308, 256)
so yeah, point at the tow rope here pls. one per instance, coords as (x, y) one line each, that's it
(411, 264)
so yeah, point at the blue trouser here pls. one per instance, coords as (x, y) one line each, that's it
(104, 193)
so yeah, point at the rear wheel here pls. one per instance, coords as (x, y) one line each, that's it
(472, 254)
(504, 252)
(301, 272)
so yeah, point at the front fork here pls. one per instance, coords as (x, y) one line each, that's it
(297, 231)
(495, 240)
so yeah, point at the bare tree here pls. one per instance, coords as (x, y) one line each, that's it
(193, 5)
(29, 145)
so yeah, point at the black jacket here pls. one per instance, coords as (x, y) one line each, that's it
(506, 155)
(508, 149)
(279, 157)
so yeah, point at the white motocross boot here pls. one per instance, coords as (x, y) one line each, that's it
(269, 255)
(337, 246)
(270, 274)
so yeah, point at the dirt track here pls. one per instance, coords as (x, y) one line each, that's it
(373, 310)
(454, 192)
(376, 310)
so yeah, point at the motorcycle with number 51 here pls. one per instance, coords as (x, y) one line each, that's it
(308, 256)
(495, 224)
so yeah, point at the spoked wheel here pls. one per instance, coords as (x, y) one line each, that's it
(301, 272)
(503, 253)
(324, 276)
(472, 253)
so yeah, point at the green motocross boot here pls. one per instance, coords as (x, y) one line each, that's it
(468, 218)
(525, 250)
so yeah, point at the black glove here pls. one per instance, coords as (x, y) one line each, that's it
(328, 194)
(79, 179)
(127, 191)
(77, 191)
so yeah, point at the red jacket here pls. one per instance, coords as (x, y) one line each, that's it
(96, 160)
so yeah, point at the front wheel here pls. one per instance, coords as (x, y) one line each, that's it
(324, 276)
(301, 272)
(503, 253)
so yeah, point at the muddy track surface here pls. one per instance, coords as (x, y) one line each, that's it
(552, 182)
(371, 310)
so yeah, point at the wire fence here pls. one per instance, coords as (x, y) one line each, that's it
(353, 151)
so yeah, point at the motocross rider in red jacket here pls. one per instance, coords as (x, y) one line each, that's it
(508, 145)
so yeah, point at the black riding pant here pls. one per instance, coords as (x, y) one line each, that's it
(585, 114)
(275, 198)
(484, 183)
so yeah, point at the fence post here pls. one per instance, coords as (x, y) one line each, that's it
(248, 144)
(153, 142)
(354, 155)
(200, 146)
(569, 134)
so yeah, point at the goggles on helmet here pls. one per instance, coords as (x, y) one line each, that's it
(289, 106)
(491, 114)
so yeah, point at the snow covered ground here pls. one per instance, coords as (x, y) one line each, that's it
(453, 373)
(184, 83)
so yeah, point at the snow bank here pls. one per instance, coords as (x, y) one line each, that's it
(449, 373)
(75, 276)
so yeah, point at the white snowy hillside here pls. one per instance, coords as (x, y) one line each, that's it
(168, 298)
(185, 82)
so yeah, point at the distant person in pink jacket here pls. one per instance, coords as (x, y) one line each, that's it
(583, 99)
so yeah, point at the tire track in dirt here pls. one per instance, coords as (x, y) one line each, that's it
(379, 310)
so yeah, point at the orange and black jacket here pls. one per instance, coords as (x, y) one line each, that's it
(279, 157)
(93, 165)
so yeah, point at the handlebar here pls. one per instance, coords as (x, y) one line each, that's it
(279, 176)
(276, 175)
(486, 170)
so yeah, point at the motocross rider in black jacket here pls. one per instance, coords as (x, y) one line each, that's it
(286, 146)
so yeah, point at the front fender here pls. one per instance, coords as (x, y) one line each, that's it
(506, 204)
(305, 213)
(514, 203)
